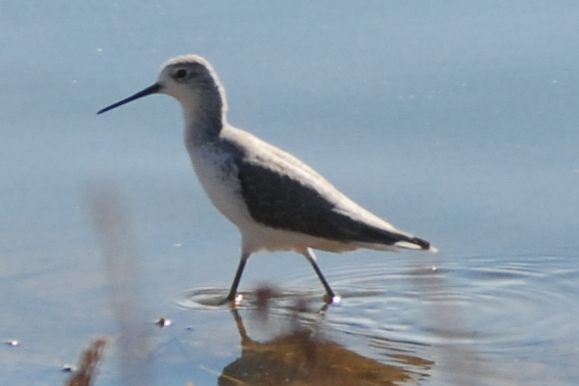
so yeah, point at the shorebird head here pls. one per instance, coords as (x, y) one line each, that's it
(192, 81)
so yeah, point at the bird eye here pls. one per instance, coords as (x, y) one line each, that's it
(181, 74)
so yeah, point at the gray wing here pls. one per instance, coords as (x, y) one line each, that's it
(277, 198)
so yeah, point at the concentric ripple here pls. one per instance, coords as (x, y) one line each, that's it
(511, 309)
(494, 300)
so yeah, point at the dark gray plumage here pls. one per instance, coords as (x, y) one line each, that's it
(281, 202)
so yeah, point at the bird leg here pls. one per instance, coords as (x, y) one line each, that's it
(237, 279)
(330, 295)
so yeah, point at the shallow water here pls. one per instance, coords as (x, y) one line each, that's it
(485, 323)
(457, 123)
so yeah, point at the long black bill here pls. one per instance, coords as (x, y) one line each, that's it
(148, 91)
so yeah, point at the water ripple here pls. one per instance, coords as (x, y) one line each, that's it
(505, 299)
(507, 309)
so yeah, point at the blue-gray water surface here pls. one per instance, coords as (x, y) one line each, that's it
(455, 121)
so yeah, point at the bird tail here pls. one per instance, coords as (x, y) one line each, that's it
(416, 243)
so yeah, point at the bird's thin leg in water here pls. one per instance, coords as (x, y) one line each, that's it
(309, 254)
(237, 279)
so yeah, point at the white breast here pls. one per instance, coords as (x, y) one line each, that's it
(219, 177)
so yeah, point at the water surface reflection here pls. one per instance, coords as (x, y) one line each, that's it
(304, 355)
(481, 319)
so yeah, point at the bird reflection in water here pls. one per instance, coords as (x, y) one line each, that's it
(302, 356)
